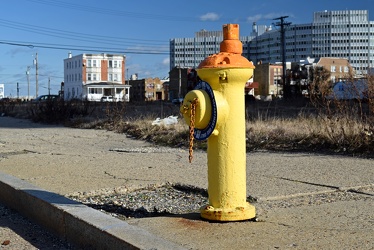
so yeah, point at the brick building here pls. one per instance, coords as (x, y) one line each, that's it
(269, 79)
(150, 89)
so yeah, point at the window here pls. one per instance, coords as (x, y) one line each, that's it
(89, 77)
(115, 77)
(346, 70)
(95, 91)
(333, 68)
(89, 63)
(94, 77)
(94, 63)
(110, 62)
(115, 64)
(110, 77)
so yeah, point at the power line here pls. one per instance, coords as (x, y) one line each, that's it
(112, 12)
(79, 36)
(85, 48)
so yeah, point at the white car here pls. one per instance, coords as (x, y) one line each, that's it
(108, 99)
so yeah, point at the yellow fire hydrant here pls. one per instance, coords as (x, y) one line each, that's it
(216, 111)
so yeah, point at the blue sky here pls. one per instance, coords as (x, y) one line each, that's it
(140, 29)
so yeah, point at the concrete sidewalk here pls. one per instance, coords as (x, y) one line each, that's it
(304, 201)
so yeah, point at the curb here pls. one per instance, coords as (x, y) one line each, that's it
(74, 222)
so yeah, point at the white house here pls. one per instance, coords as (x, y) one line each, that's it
(92, 76)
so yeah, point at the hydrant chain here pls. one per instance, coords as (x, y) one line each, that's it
(192, 127)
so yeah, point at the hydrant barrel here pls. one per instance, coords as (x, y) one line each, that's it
(227, 72)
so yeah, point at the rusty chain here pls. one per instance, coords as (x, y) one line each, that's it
(192, 127)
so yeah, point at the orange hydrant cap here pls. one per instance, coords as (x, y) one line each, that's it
(231, 50)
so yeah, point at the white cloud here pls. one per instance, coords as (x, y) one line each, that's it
(269, 16)
(210, 16)
(166, 61)
(254, 18)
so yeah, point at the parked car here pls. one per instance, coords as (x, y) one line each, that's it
(5, 100)
(177, 101)
(45, 98)
(108, 99)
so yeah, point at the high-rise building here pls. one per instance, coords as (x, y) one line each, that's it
(189, 52)
(342, 34)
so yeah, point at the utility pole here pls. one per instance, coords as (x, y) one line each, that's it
(49, 85)
(28, 82)
(282, 24)
(36, 75)
(180, 84)
(17, 90)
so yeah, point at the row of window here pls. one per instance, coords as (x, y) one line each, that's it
(363, 34)
(197, 56)
(182, 44)
(199, 49)
(342, 26)
(73, 77)
(92, 77)
(328, 26)
(93, 63)
(341, 68)
(96, 77)
(73, 64)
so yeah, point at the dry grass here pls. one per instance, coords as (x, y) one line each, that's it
(312, 134)
(340, 129)
(300, 132)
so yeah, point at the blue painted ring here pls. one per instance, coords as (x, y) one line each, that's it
(202, 134)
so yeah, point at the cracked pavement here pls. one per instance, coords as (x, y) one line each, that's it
(304, 200)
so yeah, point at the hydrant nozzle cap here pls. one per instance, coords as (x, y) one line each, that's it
(231, 42)
(231, 32)
(231, 49)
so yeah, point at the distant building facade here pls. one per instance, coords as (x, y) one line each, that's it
(150, 89)
(181, 81)
(189, 52)
(2, 91)
(269, 79)
(91, 76)
(345, 34)
(337, 34)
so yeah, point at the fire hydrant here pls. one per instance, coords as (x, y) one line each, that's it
(216, 111)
